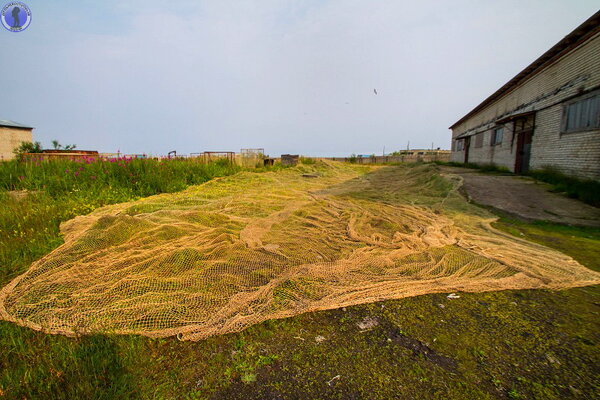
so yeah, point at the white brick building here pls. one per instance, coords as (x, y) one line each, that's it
(547, 115)
(12, 134)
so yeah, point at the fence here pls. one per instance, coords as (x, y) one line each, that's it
(251, 157)
(49, 155)
(404, 158)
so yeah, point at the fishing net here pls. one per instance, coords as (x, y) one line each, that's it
(219, 257)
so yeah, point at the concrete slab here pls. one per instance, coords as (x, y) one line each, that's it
(524, 197)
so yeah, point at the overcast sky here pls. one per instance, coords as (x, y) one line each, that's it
(152, 76)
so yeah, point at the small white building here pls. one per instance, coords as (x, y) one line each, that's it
(12, 134)
(547, 115)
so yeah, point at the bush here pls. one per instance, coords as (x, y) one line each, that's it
(27, 147)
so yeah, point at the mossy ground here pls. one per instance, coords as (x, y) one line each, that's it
(534, 344)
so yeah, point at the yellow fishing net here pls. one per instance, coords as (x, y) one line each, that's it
(219, 257)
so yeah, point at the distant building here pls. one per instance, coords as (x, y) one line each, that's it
(420, 152)
(547, 115)
(12, 134)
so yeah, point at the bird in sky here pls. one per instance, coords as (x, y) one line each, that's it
(375, 91)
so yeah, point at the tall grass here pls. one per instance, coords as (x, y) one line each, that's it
(586, 190)
(124, 178)
(53, 192)
(487, 167)
(35, 197)
(307, 160)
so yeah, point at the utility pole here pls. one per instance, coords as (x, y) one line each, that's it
(383, 151)
(408, 145)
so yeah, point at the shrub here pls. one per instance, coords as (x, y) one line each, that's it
(27, 147)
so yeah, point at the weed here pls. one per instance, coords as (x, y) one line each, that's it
(514, 394)
(307, 160)
(487, 167)
(56, 191)
(587, 191)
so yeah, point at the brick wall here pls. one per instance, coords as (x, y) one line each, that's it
(574, 153)
(10, 139)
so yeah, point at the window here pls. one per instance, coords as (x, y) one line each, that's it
(497, 135)
(582, 115)
(479, 140)
(460, 145)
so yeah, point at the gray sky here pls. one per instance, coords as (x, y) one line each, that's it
(290, 76)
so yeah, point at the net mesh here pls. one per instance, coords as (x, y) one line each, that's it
(219, 257)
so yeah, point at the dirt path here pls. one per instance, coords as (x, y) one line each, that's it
(525, 198)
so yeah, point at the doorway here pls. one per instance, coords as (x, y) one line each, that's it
(467, 145)
(524, 132)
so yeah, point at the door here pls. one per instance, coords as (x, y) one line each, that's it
(467, 145)
(524, 150)
(524, 131)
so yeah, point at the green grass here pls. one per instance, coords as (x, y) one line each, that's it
(36, 197)
(125, 178)
(307, 160)
(531, 344)
(489, 167)
(581, 243)
(587, 191)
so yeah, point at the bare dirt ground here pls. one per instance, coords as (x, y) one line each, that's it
(525, 198)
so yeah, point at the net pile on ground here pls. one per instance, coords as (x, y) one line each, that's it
(219, 257)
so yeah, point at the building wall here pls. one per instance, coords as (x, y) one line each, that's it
(574, 153)
(10, 139)
(500, 154)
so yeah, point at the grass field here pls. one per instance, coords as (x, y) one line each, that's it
(37, 197)
(510, 344)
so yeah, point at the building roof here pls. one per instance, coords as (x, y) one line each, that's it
(583, 32)
(13, 124)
